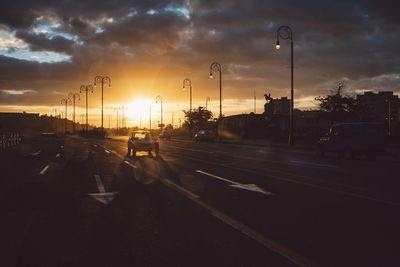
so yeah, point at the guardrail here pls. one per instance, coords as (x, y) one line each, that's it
(9, 139)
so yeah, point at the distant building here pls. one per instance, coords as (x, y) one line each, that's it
(377, 105)
(243, 126)
(276, 106)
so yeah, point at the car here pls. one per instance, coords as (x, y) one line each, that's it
(142, 141)
(205, 135)
(350, 139)
(165, 134)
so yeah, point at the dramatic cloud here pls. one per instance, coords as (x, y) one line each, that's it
(148, 47)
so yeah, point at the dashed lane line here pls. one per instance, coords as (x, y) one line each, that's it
(36, 153)
(182, 189)
(44, 169)
(99, 183)
(130, 164)
(58, 154)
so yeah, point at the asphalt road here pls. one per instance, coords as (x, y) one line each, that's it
(81, 202)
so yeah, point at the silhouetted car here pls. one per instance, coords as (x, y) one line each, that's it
(142, 141)
(165, 134)
(205, 135)
(350, 139)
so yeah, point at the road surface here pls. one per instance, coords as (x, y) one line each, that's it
(71, 201)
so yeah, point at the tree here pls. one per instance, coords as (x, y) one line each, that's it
(197, 118)
(337, 107)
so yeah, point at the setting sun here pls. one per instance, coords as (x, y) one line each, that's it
(139, 108)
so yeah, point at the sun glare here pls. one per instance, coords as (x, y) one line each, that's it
(139, 108)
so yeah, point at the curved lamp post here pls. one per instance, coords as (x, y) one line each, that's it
(65, 101)
(188, 82)
(285, 32)
(215, 66)
(102, 79)
(161, 102)
(73, 96)
(86, 88)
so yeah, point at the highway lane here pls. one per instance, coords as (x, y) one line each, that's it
(62, 218)
(329, 210)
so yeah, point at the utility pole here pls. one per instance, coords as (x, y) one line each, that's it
(86, 89)
(161, 102)
(65, 100)
(389, 117)
(172, 124)
(255, 101)
(150, 118)
(73, 96)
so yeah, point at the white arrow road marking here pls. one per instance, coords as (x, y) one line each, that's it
(58, 154)
(250, 187)
(36, 153)
(102, 197)
(44, 169)
(130, 164)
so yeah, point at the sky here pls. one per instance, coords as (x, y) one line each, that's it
(50, 48)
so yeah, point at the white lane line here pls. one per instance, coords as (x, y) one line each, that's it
(182, 189)
(44, 169)
(267, 242)
(58, 154)
(107, 151)
(130, 164)
(218, 177)
(61, 147)
(94, 145)
(99, 183)
(259, 240)
(36, 153)
(301, 163)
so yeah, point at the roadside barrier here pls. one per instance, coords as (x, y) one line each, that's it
(9, 139)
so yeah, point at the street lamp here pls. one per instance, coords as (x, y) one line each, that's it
(65, 101)
(157, 99)
(102, 79)
(86, 88)
(73, 96)
(207, 100)
(285, 32)
(215, 66)
(188, 82)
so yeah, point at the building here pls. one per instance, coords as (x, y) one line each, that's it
(377, 106)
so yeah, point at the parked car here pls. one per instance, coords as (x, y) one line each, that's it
(350, 139)
(165, 134)
(205, 135)
(142, 141)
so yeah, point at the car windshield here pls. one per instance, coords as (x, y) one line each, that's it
(139, 136)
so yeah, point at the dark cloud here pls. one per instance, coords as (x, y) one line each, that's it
(40, 42)
(333, 40)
